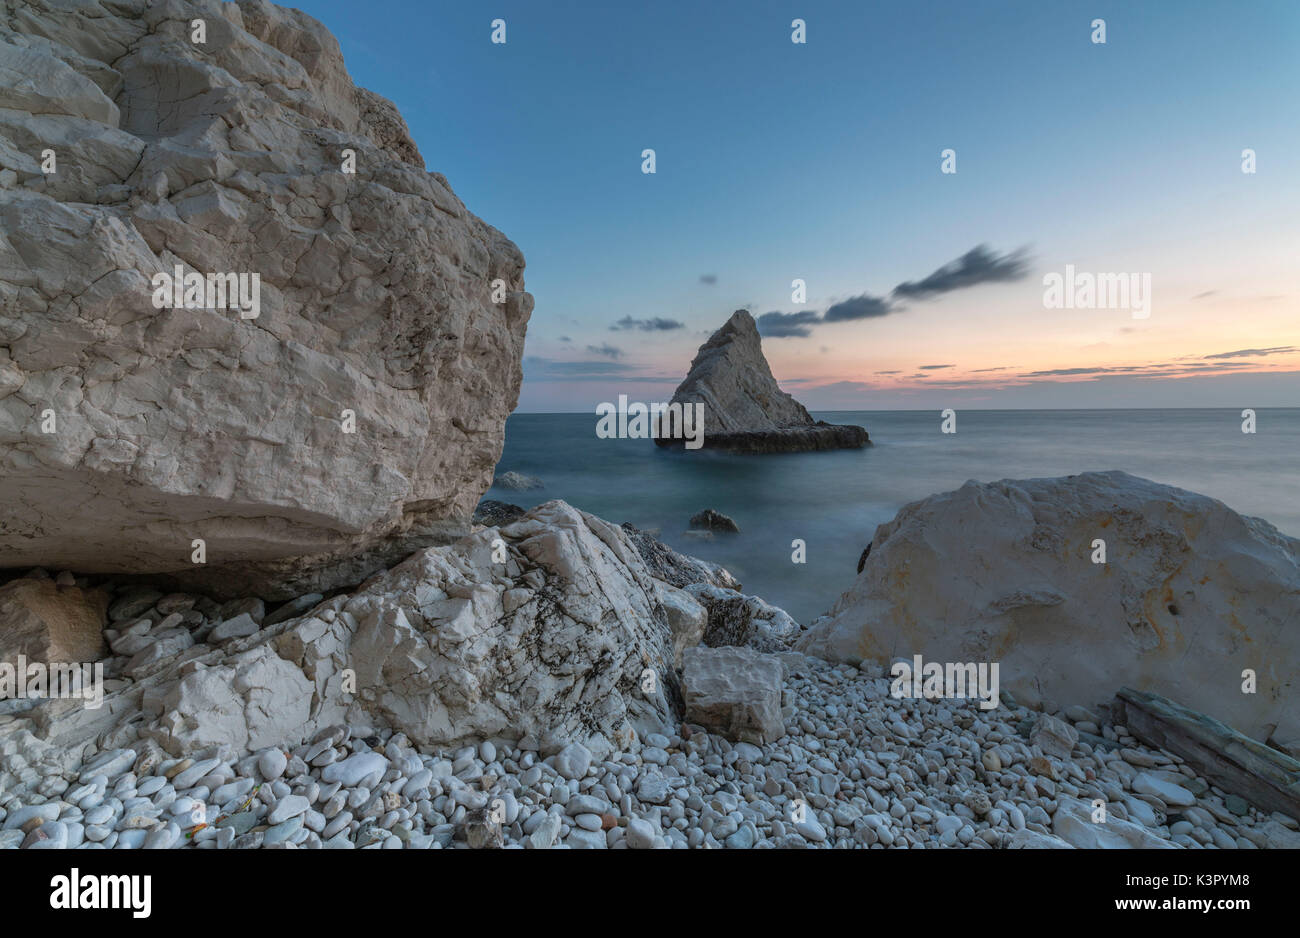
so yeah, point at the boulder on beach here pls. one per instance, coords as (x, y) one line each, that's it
(744, 408)
(737, 619)
(734, 691)
(45, 621)
(1191, 601)
(452, 645)
(351, 411)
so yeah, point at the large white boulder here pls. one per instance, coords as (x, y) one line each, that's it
(550, 627)
(1191, 596)
(128, 431)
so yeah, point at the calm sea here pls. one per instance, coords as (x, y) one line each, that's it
(835, 500)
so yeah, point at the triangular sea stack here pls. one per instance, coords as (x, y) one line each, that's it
(744, 408)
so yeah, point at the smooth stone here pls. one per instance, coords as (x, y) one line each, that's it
(1237, 805)
(150, 786)
(163, 838)
(742, 839)
(640, 834)
(590, 822)
(811, 828)
(417, 783)
(1168, 792)
(282, 832)
(240, 823)
(49, 811)
(581, 839)
(99, 814)
(272, 764)
(573, 761)
(585, 804)
(355, 768)
(52, 835)
(232, 791)
(109, 764)
(339, 823)
(190, 777)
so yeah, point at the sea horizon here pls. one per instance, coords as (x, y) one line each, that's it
(903, 410)
(835, 500)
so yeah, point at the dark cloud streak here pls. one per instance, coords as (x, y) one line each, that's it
(657, 324)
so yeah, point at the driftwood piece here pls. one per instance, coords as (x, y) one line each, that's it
(1268, 779)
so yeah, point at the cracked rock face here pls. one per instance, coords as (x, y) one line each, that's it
(127, 431)
(1191, 595)
(735, 691)
(47, 621)
(551, 626)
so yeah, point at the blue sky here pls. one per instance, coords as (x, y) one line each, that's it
(821, 161)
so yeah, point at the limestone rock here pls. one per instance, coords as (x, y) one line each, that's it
(127, 431)
(1191, 594)
(676, 569)
(492, 512)
(1262, 775)
(734, 691)
(687, 619)
(568, 639)
(744, 407)
(46, 622)
(1073, 823)
(1025, 839)
(255, 700)
(482, 830)
(1053, 736)
(737, 619)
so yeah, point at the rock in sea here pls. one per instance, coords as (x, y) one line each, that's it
(744, 408)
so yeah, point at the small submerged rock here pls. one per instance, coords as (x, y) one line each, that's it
(711, 520)
(517, 482)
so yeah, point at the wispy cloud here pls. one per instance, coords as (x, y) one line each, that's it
(783, 325)
(976, 266)
(656, 324)
(607, 350)
(1256, 352)
(709, 279)
(864, 306)
(548, 369)
(934, 367)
